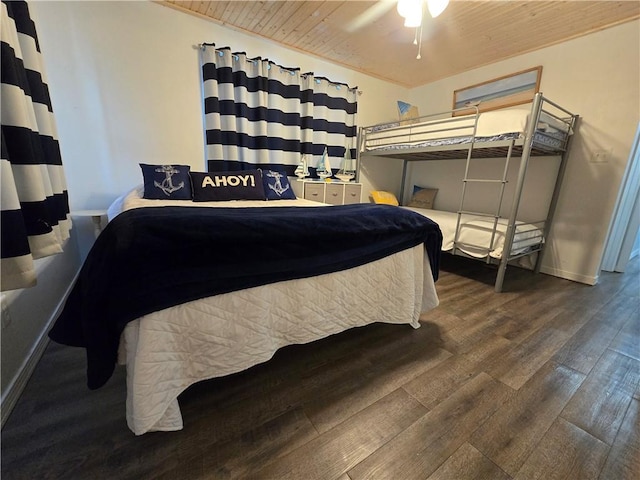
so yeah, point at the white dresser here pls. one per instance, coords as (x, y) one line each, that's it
(334, 192)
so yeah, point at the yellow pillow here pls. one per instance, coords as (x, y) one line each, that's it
(387, 198)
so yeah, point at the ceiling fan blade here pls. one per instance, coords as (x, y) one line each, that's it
(370, 15)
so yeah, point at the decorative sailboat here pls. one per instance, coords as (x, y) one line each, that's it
(324, 167)
(302, 170)
(347, 170)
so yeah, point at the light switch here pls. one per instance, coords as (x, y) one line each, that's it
(600, 156)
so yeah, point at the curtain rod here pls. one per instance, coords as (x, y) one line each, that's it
(202, 46)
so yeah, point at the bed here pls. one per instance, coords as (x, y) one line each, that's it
(478, 237)
(263, 300)
(539, 129)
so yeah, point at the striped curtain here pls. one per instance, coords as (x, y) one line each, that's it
(259, 114)
(35, 217)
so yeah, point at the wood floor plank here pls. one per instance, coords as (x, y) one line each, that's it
(476, 298)
(388, 373)
(584, 349)
(216, 415)
(338, 450)
(419, 450)
(600, 403)
(223, 408)
(437, 384)
(540, 300)
(509, 436)
(444, 320)
(467, 463)
(517, 327)
(513, 318)
(566, 452)
(626, 341)
(631, 289)
(623, 462)
(154, 458)
(242, 456)
(519, 364)
(605, 291)
(477, 327)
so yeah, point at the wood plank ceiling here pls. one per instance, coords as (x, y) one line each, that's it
(369, 36)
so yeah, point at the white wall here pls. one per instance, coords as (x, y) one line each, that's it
(598, 77)
(26, 313)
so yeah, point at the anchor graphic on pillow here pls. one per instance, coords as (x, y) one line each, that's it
(167, 185)
(278, 188)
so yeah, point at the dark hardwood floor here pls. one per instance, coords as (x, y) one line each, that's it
(541, 381)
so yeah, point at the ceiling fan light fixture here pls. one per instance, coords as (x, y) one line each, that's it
(413, 21)
(411, 10)
(404, 7)
(436, 7)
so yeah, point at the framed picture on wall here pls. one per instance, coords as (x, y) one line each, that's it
(514, 89)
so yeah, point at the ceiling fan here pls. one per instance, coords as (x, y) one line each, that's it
(411, 10)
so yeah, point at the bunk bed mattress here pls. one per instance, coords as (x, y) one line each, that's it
(477, 231)
(168, 350)
(492, 126)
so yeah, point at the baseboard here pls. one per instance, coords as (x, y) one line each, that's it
(19, 382)
(575, 277)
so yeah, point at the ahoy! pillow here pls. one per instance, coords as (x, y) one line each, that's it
(166, 182)
(221, 186)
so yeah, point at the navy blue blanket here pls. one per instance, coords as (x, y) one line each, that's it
(153, 258)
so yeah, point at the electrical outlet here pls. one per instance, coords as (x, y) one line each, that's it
(6, 316)
(600, 156)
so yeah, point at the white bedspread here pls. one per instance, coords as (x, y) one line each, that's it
(167, 351)
(477, 231)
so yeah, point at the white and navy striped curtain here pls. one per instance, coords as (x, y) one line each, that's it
(34, 211)
(259, 114)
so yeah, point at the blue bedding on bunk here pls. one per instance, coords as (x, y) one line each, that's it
(153, 258)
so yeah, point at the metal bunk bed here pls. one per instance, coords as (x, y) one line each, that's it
(546, 131)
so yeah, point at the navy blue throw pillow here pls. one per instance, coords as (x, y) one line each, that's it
(166, 182)
(276, 186)
(220, 186)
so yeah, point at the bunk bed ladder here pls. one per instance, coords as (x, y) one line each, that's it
(501, 183)
(464, 184)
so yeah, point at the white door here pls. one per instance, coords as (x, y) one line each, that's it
(625, 229)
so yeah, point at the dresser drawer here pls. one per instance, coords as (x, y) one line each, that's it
(352, 193)
(333, 193)
(314, 191)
